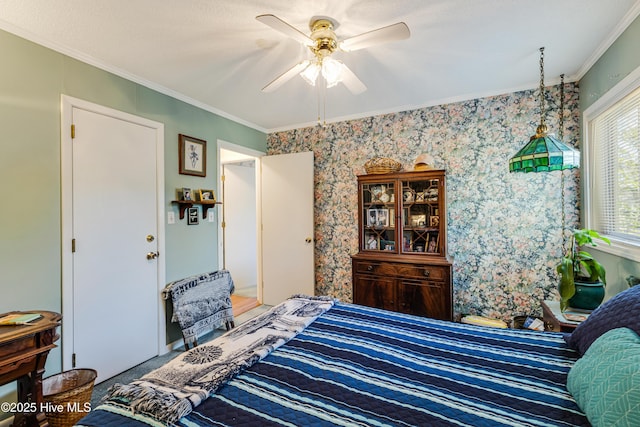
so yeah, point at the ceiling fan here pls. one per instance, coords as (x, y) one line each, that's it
(323, 42)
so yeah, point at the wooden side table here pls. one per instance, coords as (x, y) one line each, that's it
(23, 353)
(553, 318)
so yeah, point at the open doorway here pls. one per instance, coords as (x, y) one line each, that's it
(239, 243)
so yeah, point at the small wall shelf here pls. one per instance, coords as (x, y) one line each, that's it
(183, 205)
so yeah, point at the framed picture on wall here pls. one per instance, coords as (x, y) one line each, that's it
(192, 156)
(192, 216)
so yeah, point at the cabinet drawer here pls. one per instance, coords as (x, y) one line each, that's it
(401, 270)
(366, 267)
(423, 271)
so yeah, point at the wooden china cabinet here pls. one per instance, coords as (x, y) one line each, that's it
(402, 263)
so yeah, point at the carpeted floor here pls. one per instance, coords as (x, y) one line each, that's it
(136, 372)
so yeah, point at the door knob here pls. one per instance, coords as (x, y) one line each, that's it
(150, 238)
(152, 255)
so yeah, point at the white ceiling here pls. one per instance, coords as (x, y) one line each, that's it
(216, 55)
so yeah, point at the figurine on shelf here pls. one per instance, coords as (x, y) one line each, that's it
(372, 243)
(432, 245)
(406, 244)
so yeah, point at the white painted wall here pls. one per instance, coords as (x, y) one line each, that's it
(241, 230)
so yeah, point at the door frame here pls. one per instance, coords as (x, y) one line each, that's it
(255, 155)
(68, 103)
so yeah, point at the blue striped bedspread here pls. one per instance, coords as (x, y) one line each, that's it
(359, 366)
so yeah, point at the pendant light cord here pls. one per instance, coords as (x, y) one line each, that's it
(561, 134)
(561, 131)
(542, 109)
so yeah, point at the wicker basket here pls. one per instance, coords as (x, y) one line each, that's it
(379, 165)
(70, 391)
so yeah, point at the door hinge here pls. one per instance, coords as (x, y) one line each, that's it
(73, 245)
(224, 224)
(73, 131)
(222, 178)
(73, 360)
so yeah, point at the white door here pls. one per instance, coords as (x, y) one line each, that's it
(287, 226)
(115, 229)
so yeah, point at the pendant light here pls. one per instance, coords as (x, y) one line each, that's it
(544, 152)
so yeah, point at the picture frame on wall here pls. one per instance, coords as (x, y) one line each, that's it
(192, 156)
(192, 216)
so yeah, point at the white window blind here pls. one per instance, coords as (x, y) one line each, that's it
(615, 178)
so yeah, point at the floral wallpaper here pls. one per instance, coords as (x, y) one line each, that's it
(504, 229)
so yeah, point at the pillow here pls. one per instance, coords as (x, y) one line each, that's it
(621, 311)
(605, 382)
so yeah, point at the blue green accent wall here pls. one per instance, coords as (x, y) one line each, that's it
(613, 66)
(32, 79)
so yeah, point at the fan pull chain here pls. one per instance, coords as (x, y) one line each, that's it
(318, 97)
(324, 105)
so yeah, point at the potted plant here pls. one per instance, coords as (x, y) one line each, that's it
(579, 267)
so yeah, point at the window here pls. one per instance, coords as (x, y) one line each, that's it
(612, 167)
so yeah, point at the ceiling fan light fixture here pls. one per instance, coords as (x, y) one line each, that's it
(310, 74)
(323, 42)
(332, 71)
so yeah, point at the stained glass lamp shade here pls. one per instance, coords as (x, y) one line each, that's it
(544, 153)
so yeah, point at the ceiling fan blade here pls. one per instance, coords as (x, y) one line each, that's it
(351, 81)
(394, 32)
(286, 76)
(286, 29)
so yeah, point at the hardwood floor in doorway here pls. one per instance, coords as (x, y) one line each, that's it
(242, 304)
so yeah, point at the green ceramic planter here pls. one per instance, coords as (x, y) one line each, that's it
(588, 295)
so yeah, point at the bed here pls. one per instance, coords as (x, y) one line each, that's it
(350, 365)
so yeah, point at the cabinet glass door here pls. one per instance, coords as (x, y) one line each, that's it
(379, 217)
(421, 216)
